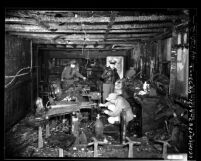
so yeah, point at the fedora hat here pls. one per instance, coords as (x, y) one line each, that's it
(72, 62)
(112, 61)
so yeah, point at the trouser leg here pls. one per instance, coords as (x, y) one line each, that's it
(111, 88)
(67, 84)
(106, 91)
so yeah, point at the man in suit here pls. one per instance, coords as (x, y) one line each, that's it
(110, 76)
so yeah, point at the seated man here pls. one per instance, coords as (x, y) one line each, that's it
(115, 105)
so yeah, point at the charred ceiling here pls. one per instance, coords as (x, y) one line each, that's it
(92, 29)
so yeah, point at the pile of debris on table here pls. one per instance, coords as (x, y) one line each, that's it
(164, 117)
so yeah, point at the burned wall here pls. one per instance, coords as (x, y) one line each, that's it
(17, 100)
(180, 63)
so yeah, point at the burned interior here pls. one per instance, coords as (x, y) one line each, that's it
(96, 83)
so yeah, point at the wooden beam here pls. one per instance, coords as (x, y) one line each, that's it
(72, 53)
(96, 43)
(82, 36)
(45, 18)
(134, 26)
(146, 18)
(86, 13)
(109, 41)
(103, 27)
(24, 28)
(164, 35)
(38, 30)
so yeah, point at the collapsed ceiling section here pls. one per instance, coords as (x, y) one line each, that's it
(99, 30)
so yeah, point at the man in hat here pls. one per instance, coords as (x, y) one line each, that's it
(116, 104)
(70, 73)
(110, 76)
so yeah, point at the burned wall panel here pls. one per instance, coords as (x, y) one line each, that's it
(180, 64)
(17, 100)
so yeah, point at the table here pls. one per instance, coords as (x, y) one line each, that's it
(59, 110)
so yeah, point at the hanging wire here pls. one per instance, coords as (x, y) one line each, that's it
(17, 75)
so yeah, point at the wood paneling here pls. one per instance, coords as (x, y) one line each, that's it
(17, 100)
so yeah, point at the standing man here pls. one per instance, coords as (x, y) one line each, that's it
(130, 73)
(70, 73)
(110, 76)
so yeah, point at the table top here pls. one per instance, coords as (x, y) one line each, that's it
(65, 108)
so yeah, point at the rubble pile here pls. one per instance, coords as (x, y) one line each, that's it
(20, 140)
(61, 140)
(25, 141)
(168, 112)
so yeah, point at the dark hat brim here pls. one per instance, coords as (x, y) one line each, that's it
(112, 62)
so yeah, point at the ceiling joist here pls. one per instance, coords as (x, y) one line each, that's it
(92, 29)
(92, 19)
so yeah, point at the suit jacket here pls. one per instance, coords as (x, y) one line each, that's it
(110, 76)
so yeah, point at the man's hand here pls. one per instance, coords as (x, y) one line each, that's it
(101, 105)
(84, 78)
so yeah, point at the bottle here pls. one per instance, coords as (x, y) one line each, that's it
(145, 86)
(75, 124)
(82, 138)
(123, 126)
(99, 126)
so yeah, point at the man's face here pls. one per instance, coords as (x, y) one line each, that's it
(72, 65)
(112, 66)
(112, 101)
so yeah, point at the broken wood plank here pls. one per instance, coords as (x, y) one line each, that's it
(47, 130)
(40, 137)
(61, 152)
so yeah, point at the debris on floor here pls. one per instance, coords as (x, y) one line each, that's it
(22, 141)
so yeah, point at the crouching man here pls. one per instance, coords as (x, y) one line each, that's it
(115, 106)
